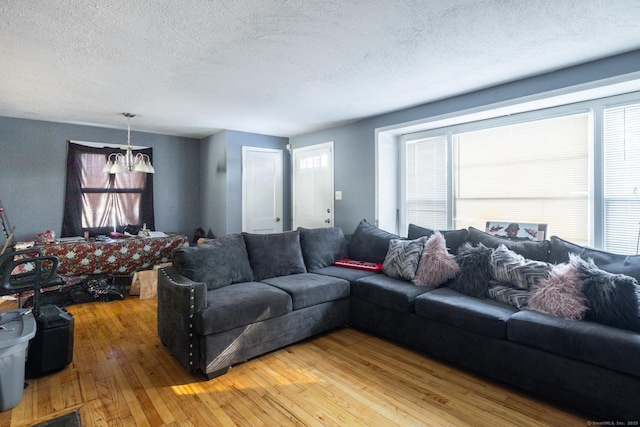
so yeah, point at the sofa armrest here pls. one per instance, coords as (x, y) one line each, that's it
(179, 299)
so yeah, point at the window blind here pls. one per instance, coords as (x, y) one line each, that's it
(622, 178)
(534, 172)
(426, 178)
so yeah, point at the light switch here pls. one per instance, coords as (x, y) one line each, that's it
(338, 195)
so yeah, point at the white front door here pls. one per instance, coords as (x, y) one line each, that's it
(313, 186)
(261, 190)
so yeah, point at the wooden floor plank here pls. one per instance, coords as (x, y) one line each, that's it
(122, 375)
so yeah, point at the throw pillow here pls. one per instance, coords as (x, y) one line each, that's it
(436, 264)
(402, 258)
(614, 299)
(369, 243)
(508, 295)
(475, 270)
(273, 255)
(453, 238)
(321, 247)
(559, 294)
(218, 263)
(514, 269)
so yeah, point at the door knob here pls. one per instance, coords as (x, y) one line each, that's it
(328, 221)
(278, 219)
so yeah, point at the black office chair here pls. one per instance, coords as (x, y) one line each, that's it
(37, 271)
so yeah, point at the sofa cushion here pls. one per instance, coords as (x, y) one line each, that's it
(277, 254)
(536, 250)
(385, 291)
(590, 342)
(560, 294)
(241, 304)
(454, 238)
(349, 274)
(369, 243)
(613, 263)
(613, 299)
(307, 289)
(516, 270)
(221, 262)
(322, 246)
(403, 257)
(480, 315)
(436, 264)
(475, 270)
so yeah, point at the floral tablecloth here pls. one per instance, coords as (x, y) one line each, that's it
(116, 257)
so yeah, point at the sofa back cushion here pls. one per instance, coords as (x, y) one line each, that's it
(218, 263)
(276, 254)
(536, 250)
(369, 243)
(321, 247)
(453, 238)
(613, 263)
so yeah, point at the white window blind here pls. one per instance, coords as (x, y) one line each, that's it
(535, 172)
(622, 178)
(426, 178)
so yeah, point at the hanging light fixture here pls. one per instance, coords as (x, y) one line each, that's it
(127, 162)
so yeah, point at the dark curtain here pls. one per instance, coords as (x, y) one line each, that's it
(109, 196)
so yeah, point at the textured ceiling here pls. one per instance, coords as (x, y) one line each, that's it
(191, 67)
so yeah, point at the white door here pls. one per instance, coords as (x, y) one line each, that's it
(261, 190)
(313, 186)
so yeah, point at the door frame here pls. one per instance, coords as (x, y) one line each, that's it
(245, 149)
(295, 151)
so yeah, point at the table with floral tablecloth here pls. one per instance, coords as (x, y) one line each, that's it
(113, 257)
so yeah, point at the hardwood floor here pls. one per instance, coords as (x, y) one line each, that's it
(121, 375)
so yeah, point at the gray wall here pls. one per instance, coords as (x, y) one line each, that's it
(222, 179)
(355, 143)
(33, 173)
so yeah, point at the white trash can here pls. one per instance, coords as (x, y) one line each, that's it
(17, 327)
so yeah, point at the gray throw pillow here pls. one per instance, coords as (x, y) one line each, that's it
(515, 270)
(274, 255)
(402, 258)
(508, 295)
(218, 263)
(613, 299)
(369, 243)
(321, 247)
(475, 270)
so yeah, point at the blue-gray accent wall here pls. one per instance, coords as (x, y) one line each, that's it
(33, 173)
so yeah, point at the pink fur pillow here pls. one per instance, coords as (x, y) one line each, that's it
(436, 264)
(560, 294)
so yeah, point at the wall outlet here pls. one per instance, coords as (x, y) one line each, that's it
(338, 195)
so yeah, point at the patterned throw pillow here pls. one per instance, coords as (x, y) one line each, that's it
(436, 265)
(403, 257)
(559, 294)
(515, 270)
(508, 295)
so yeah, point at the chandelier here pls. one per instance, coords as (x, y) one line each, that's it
(127, 162)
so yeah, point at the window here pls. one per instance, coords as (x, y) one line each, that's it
(622, 178)
(99, 202)
(426, 182)
(534, 170)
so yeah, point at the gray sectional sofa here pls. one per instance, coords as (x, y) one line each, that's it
(243, 295)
